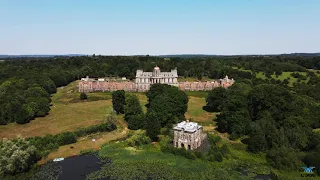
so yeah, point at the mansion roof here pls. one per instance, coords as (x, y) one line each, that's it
(187, 126)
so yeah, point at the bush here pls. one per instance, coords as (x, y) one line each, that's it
(16, 156)
(83, 96)
(66, 138)
(138, 139)
(44, 144)
(200, 155)
(105, 127)
(283, 158)
(179, 152)
(87, 151)
(49, 143)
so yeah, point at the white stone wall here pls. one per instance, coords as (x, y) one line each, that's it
(145, 79)
(190, 141)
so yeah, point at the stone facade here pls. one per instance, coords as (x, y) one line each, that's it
(188, 135)
(144, 80)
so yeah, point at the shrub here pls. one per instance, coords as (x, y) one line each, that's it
(105, 127)
(87, 151)
(16, 156)
(138, 139)
(49, 143)
(83, 96)
(66, 138)
(44, 144)
(200, 155)
(179, 152)
(283, 158)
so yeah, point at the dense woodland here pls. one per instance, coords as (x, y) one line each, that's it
(267, 114)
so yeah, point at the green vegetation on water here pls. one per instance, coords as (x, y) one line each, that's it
(144, 161)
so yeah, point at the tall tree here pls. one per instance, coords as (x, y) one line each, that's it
(168, 103)
(133, 112)
(153, 126)
(118, 101)
(215, 99)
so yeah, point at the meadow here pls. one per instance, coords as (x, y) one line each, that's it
(283, 76)
(67, 113)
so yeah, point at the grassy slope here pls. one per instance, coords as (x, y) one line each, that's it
(67, 114)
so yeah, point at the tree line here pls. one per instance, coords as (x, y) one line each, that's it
(276, 120)
(26, 83)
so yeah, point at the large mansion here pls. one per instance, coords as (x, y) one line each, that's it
(144, 80)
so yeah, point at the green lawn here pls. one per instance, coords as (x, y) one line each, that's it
(67, 113)
(292, 80)
(284, 76)
(196, 112)
(261, 75)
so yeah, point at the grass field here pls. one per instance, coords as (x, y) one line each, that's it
(86, 143)
(67, 114)
(282, 77)
(196, 112)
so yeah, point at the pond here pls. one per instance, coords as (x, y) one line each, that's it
(77, 167)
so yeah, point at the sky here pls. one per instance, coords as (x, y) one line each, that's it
(159, 27)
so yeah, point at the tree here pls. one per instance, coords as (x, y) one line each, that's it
(133, 112)
(83, 96)
(215, 99)
(118, 101)
(16, 156)
(153, 126)
(137, 122)
(168, 103)
(284, 158)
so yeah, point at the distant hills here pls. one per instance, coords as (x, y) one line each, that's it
(208, 55)
(40, 55)
(169, 55)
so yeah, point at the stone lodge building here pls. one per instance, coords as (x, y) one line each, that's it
(188, 135)
(144, 80)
